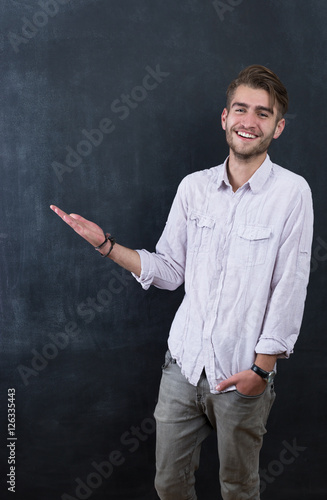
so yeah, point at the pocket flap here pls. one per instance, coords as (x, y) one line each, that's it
(254, 232)
(202, 220)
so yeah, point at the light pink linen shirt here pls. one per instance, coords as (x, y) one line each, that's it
(244, 258)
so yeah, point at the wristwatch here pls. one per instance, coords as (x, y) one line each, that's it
(268, 376)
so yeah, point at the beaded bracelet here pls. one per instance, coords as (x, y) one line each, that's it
(105, 241)
(112, 240)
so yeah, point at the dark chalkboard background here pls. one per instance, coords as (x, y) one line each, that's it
(81, 343)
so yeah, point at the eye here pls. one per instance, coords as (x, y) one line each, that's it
(263, 115)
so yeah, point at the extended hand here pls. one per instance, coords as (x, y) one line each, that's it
(247, 382)
(85, 228)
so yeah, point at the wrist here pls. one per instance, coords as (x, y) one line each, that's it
(266, 362)
(268, 376)
(106, 247)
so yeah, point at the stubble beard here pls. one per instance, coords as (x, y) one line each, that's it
(252, 153)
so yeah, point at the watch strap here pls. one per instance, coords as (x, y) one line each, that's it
(260, 371)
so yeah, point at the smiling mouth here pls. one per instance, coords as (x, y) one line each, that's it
(246, 135)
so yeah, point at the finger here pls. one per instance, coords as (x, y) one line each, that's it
(78, 217)
(222, 386)
(76, 225)
(86, 229)
(57, 210)
(65, 217)
(87, 224)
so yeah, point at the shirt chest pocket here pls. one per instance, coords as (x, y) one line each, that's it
(252, 244)
(200, 231)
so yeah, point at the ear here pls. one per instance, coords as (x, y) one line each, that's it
(279, 128)
(224, 118)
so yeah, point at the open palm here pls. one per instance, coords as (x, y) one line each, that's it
(90, 231)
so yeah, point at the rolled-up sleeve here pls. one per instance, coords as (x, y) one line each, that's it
(285, 306)
(146, 277)
(165, 268)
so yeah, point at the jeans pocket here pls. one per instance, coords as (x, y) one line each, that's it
(245, 396)
(168, 360)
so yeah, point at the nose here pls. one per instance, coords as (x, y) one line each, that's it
(249, 120)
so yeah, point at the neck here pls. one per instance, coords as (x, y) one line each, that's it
(240, 169)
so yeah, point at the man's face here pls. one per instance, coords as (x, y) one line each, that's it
(251, 123)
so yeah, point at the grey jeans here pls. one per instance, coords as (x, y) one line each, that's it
(185, 416)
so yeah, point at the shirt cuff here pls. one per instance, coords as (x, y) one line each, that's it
(146, 277)
(273, 347)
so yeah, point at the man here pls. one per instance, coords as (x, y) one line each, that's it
(239, 237)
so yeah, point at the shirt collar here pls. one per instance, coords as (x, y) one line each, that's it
(222, 176)
(255, 182)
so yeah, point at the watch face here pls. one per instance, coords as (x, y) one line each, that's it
(271, 377)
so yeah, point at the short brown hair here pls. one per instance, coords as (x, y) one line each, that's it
(260, 77)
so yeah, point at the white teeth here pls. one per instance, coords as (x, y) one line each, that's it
(244, 134)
